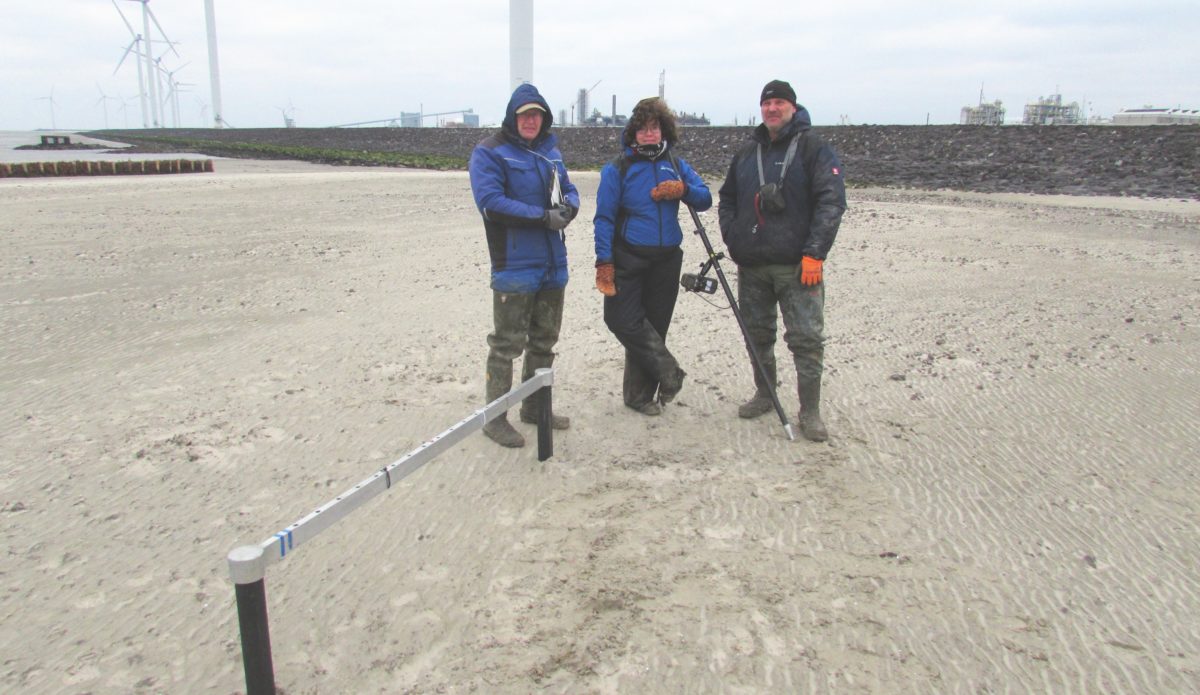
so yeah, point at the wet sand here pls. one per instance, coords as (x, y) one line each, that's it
(1008, 501)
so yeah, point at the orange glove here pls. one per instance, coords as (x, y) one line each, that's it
(809, 271)
(605, 282)
(668, 190)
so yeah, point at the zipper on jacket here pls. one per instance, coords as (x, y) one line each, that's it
(657, 207)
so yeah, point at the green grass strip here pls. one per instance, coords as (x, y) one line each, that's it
(252, 150)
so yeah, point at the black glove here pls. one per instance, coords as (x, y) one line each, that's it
(558, 217)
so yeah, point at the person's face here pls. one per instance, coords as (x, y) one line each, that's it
(529, 124)
(649, 134)
(776, 113)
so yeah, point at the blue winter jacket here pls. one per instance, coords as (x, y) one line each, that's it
(624, 206)
(512, 181)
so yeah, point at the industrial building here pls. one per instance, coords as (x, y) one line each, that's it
(1052, 111)
(984, 114)
(1151, 116)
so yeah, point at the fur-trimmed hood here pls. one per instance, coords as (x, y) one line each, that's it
(646, 110)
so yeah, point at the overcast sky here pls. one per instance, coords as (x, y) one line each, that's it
(333, 62)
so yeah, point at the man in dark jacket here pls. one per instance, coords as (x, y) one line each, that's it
(780, 208)
(522, 190)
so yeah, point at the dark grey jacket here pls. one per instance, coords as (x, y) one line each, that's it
(815, 200)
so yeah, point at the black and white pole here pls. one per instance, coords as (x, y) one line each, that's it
(545, 415)
(248, 564)
(247, 568)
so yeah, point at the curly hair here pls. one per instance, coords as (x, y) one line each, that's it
(647, 110)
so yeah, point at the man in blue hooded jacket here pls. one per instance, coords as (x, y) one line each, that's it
(780, 209)
(522, 190)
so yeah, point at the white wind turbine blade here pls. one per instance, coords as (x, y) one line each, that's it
(168, 41)
(127, 24)
(128, 50)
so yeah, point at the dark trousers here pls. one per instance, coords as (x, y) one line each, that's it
(639, 315)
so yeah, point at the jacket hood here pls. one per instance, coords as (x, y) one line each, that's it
(524, 94)
(800, 121)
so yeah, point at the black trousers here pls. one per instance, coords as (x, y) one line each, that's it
(647, 280)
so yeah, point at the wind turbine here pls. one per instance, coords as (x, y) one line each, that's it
(123, 107)
(103, 103)
(214, 71)
(180, 87)
(170, 95)
(148, 54)
(175, 86)
(289, 119)
(53, 123)
(203, 109)
(135, 48)
(148, 16)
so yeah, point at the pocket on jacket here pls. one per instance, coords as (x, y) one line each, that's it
(745, 239)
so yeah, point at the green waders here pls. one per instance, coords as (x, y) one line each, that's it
(524, 323)
(762, 291)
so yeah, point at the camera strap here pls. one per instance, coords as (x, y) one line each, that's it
(787, 159)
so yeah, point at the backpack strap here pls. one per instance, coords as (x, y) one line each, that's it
(621, 163)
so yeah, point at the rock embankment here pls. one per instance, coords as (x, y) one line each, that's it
(1149, 161)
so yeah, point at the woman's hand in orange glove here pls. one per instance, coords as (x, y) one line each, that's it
(668, 190)
(605, 280)
(809, 271)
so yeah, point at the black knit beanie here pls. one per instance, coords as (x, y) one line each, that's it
(778, 89)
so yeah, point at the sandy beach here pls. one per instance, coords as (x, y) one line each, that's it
(1009, 501)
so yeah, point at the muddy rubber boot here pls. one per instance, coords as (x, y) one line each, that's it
(499, 382)
(638, 388)
(529, 406)
(811, 425)
(671, 383)
(647, 348)
(503, 433)
(760, 403)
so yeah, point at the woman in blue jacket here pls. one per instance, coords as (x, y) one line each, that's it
(638, 254)
(526, 199)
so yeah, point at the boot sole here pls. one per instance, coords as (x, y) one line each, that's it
(506, 439)
(650, 409)
(751, 414)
